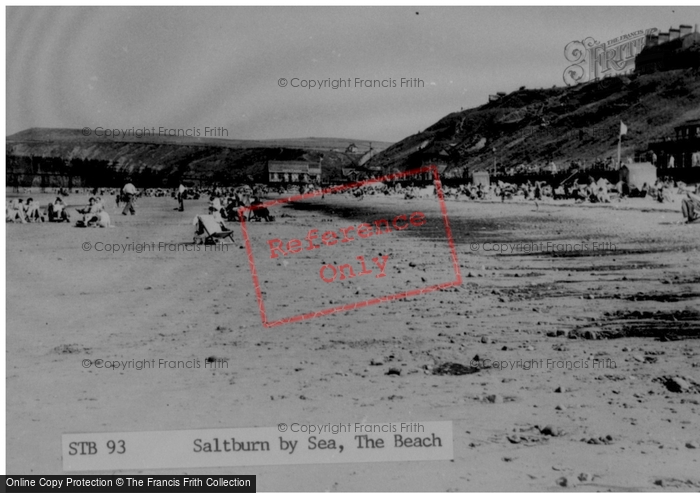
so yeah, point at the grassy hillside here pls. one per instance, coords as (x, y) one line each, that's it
(61, 156)
(562, 123)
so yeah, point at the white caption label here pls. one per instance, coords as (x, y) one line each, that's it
(286, 444)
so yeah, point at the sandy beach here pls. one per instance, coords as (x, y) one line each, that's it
(621, 309)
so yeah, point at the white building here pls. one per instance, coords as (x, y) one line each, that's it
(293, 172)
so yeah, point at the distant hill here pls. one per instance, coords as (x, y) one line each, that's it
(560, 124)
(76, 135)
(57, 156)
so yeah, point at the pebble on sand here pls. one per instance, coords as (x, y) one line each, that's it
(564, 481)
(549, 430)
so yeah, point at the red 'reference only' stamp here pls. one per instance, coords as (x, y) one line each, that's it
(325, 261)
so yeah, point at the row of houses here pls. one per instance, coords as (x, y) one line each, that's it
(293, 172)
(309, 172)
(676, 49)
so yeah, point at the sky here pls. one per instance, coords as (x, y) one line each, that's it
(217, 71)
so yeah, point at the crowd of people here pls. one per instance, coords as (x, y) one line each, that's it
(28, 211)
(19, 210)
(23, 211)
(225, 202)
(225, 205)
(588, 191)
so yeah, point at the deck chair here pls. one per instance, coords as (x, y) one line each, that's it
(210, 230)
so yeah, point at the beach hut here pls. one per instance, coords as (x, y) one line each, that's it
(637, 174)
(481, 177)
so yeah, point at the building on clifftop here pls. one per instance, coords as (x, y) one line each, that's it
(676, 49)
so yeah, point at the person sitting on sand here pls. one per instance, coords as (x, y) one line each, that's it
(101, 204)
(634, 192)
(231, 210)
(31, 211)
(663, 192)
(213, 211)
(622, 189)
(91, 212)
(260, 213)
(644, 191)
(654, 190)
(215, 202)
(199, 227)
(690, 207)
(100, 220)
(57, 211)
(603, 196)
(580, 194)
(15, 211)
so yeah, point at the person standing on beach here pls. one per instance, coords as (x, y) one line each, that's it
(181, 196)
(129, 195)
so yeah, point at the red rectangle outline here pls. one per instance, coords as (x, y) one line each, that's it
(339, 188)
